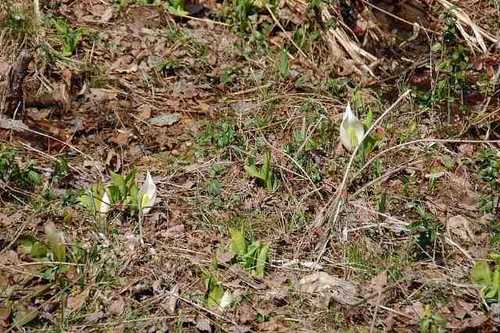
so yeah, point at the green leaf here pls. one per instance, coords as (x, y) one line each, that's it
(284, 69)
(481, 273)
(238, 242)
(266, 168)
(253, 172)
(215, 291)
(249, 259)
(262, 258)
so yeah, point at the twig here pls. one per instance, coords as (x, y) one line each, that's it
(287, 35)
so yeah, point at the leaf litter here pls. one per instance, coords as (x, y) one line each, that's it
(191, 100)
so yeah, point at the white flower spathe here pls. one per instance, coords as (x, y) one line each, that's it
(104, 203)
(147, 194)
(351, 129)
(226, 300)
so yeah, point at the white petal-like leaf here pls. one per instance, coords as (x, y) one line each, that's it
(147, 194)
(104, 203)
(226, 300)
(351, 130)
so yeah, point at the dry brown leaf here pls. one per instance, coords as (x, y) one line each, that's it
(329, 287)
(121, 138)
(460, 226)
(246, 313)
(203, 324)
(166, 119)
(107, 15)
(144, 112)
(76, 302)
(117, 306)
(10, 124)
(377, 285)
(4, 69)
(171, 302)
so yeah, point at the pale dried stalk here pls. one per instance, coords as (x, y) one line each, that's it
(351, 49)
(344, 50)
(36, 10)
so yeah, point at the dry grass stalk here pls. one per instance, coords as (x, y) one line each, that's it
(345, 51)
(463, 20)
(358, 57)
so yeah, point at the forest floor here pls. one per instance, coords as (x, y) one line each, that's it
(262, 222)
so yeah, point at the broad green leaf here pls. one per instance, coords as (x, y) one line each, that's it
(215, 291)
(266, 168)
(262, 258)
(238, 242)
(284, 69)
(481, 273)
(253, 172)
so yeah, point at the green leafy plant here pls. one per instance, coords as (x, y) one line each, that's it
(176, 7)
(283, 64)
(426, 232)
(216, 296)
(69, 37)
(25, 177)
(252, 256)
(52, 248)
(123, 195)
(221, 135)
(264, 174)
(61, 170)
(431, 322)
(488, 278)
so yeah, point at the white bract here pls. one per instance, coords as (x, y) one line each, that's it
(226, 300)
(104, 203)
(351, 129)
(147, 194)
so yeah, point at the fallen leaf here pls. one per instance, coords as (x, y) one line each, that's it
(4, 69)
(377, 285)
(273, 325)
(225, 257)
(173, 231)
(203, 324)
(144, 112)
(117, 307)
(76, 302)
(93, 317)
(329, 287)
(11, 124)
(246, 313)
(466, 149)
(459, 226)
(107, 15)
(167, 119)
(121, 138)
(100, 95)
(241, 329)
(172, 300)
